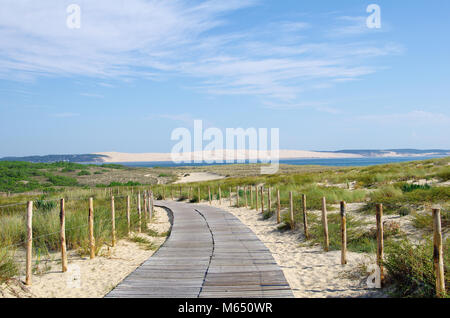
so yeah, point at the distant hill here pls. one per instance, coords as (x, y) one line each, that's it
(396, 152)
(57, 158)
(284, 154)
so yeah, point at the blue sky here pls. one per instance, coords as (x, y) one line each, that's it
(137, 69)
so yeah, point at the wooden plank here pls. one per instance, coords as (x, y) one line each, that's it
(209, 253)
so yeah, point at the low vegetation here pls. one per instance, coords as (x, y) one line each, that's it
(410, 268)
(46, 226)
(408, 189)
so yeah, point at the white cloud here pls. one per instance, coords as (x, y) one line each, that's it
(409, 118)
(158, 39)
(93, 95)
(323, 107)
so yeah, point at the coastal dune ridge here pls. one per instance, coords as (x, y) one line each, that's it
(223, 155)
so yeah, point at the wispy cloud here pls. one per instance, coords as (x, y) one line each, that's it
(92, 95)
(155, 39)
(409, 118)
(315, 105)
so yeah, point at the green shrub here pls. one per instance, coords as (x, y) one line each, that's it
(409, 187)
(8, 268)
(404, 211)
(394, 198)
(410, 268)
(84, 173)
(267, 214)
(385, 193)
(44, 205)
(112, 166)
(444, 174)
(62, 180)
(424, 221)
(120, 184)
(358, 239)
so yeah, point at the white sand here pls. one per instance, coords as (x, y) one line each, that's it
(221, 155)
(198, 177)
(309, 270)
(88, 278)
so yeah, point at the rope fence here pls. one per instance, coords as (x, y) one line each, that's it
(262, 199)
(137, 208)
(131, 218)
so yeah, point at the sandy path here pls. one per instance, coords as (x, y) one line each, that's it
(199, 177)
(309, 271)
(88, 278)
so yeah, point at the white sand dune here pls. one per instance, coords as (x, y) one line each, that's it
(199, 177)
(221, 155)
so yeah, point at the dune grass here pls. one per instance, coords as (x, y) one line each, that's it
(46, 226)
(390, 184)
(410, 268)
(8, 267)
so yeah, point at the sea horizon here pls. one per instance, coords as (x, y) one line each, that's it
(333, 162)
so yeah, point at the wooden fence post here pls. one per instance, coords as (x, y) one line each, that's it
(91, 228)
(237, 196)
(199, 198)
(164, 193)
(128, 214)
(139, 211)
(256, 198)
(231, 204)
(209, 195)
(438, 255)
(29, 242)
(278, 207)
(113, 223)
(171, 191)
(262, 199)
(380, 243)
(245, 197)
(291, 210)
(269, 200)
(152, 205)
(190, 194)
(251, 196)
(325, 225)
(343, 234)
(220, 196)
(181, 192)
(62, 219)
(145, 205)
(305, 217)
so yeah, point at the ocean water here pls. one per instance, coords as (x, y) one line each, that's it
(346, 162)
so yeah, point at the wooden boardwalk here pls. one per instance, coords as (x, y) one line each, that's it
(209, 253)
